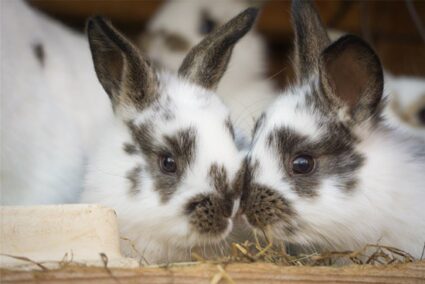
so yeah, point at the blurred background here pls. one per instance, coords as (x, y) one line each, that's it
(394, 28)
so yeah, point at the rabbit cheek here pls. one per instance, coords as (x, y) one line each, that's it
(209, 214)
(264, 206)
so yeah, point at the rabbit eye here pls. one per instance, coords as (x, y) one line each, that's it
(302, 164)
(207, 24)
(421, 116)
(167, 163)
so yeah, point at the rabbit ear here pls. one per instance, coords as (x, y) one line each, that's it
(124, 74)
(351, 77)
(206, 63)
(311, 38)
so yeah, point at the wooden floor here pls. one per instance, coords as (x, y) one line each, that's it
(231, 273)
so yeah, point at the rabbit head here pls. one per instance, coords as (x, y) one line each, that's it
(304, 168)
(168, 161)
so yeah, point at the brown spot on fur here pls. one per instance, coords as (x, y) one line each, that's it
(130, 148)
(181, 146)
(334, 154)
(240, 179)
(209, 214)
(39, 53)
(219, 178)
(250, 169)
(133, 176)
(229, 125)
(258, 124)
(264, 206)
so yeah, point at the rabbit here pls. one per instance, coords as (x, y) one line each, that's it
(324, 170)
(179, 25)
(167, 161)
(52, 104)
(57, 117)
(406, 106)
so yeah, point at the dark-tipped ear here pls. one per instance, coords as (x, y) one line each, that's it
(351, 77)
(124, 74)
(206, 63)
(311, 38)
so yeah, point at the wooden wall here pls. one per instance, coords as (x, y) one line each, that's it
(387, 25)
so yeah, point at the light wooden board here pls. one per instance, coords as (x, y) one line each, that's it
(234, 273)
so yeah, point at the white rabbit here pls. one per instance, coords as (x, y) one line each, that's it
(179, 25)
(52, 103)
(165, 158)
(324, 169)
(406, 106)
(167, 162)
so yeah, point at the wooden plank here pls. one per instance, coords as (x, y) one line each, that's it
(230, 273)
(123, 11)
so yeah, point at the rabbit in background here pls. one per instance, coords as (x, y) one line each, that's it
(179, 25)
(406, 106)
(52, 104)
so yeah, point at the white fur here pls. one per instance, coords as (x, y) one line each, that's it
(48, 112)
(243, 87)
(406, 97)
(386, 207)
(160, 230)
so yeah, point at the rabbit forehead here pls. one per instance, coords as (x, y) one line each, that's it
(293, 110)
(180, 101)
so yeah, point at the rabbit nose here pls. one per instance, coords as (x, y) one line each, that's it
(246, 192)
(221, 205)
(227, 208)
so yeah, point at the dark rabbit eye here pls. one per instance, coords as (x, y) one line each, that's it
(167, 163)
(207, 24)
(421, 116)
(302, 164)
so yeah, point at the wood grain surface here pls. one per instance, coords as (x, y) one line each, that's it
(230, 273)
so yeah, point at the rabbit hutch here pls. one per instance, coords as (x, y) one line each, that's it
(81, 243)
